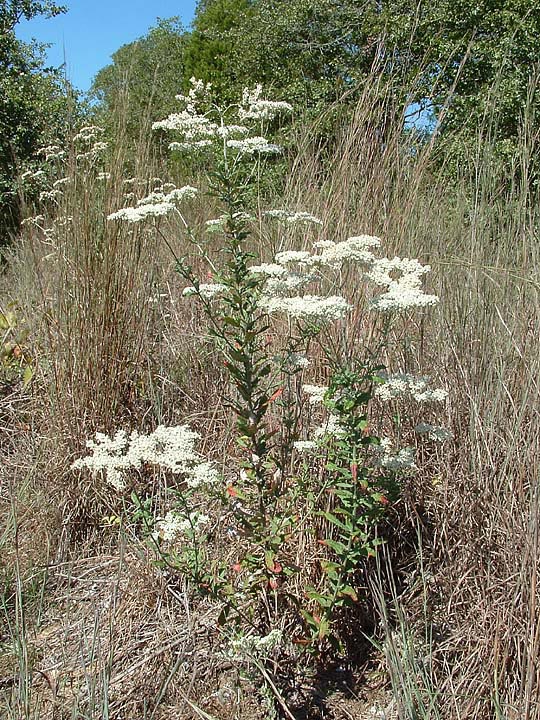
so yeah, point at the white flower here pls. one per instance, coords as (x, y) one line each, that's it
(407, 386)
(403, 279)
(50, 195)
(61, 181)
(245, 647)
(434, 432)
(331, 428)
(286, 257)
(324, 244)
(174, 525)
(107, 456)
(253, 145)
(194, 127)
(142, 212)
(385, 271)
(32, 174)
(225, 131)
(189, 146)
(402, 297)
(255, 108)
(293, 217)
(310, 308)
(316, 393)
(38, 220)
(157, 197)
(390, 459)
(304, 446)
(269, 269)
(294, 361)
(355, 249)
(278, 286)
(169, 448)
(187, 192)
(216, 224)
(198, 92)
(51, 152)
(204, 474)
(88, 133)
(208, 291)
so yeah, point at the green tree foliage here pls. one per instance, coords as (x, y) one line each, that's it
(32, 103)
(481, 54)
(468, 62)
(141, 83)
(215, 43)
(13, 11)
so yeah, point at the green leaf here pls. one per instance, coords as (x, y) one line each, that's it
(28, 374)
(348, 591)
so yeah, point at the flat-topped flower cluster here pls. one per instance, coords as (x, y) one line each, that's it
(293, 269)
(169, 448)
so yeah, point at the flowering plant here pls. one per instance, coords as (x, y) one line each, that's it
(288, 483)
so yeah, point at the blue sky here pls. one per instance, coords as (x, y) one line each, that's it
(91, 30)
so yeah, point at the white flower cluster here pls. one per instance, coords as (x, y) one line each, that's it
(271, 270)
(94, 152)
(208, 291)
(174, 195)
(193, 127)
(402, 277)
(295, 361)
(37, 220)
(62, 181)
(434, 432)
(292, 218)
(409, 387)
(199, 129)
(316, 393)
(254, 146)
(394, 460)
(305, 446)
(49, 194)
(33, 175)
(88, 134)
(218, 224)
(255, 108)
(403, 280)
(226, 131)
(197, 93)
(157, 204)
(245, 647)
(330, 428)
(170, 448)
(190, 146)
(142, 212)
(290, 257)
(354, 249)
(52, 152)
(173, 525)
(293, 269)
(309, 308)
